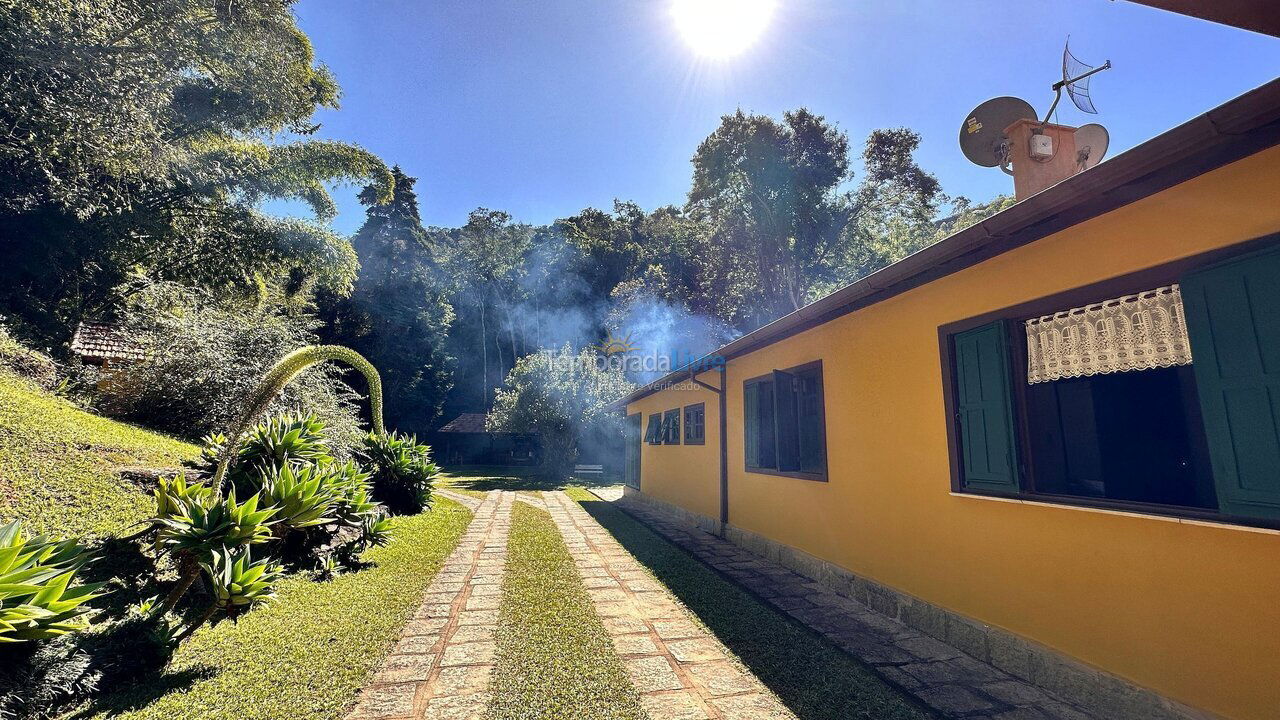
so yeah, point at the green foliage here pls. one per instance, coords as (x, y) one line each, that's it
(562, 396)
(398, 315)
(402, 473)
(239, 583)
(353, 500)
(337, 631)
(215, 522)
(37, 599)
(280, 375)
(174, 495)
(205, 358)
(25, 362)
(145, 135)
(283, 439)
(303, 495)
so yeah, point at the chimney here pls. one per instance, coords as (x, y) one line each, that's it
(1042, 155)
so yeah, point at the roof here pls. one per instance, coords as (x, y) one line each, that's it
(1239, 128)
(1256, 15)
(465, 423)
(106, 342)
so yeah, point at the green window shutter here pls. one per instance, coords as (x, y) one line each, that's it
(1233, 321)
(984, 411)
(786, 428)
(813, 440)
(631, 473)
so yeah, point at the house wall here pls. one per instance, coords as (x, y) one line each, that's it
(684, 475)
(1188, 609)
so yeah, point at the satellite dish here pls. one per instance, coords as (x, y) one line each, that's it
(982, 137)
(1091, 145)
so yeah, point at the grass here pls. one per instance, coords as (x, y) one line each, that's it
(554, 658)
(58, 464)
(483, 478)
(811, 675)
(308, 653)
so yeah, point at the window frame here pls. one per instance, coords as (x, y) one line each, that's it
(702, 439)
(658, 435)
(671, 433)
(1126, 284)
(822, 475)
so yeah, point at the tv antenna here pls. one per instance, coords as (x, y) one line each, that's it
(1075, 78)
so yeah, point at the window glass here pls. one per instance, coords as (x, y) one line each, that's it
(695, 423)
(784, 422)
(671, 427)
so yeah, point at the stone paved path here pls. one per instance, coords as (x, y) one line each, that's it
(439, 670)
(470, 501)
(681, 671)
(953, 684)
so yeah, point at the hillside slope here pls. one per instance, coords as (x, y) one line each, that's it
(58, 464)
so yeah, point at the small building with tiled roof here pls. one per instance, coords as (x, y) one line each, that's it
(98, 343)
(465, 441)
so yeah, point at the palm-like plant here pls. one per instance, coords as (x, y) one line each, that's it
(403, 474)
(173, 495)
(281, 440)
(37, 600)
(303, 496)
(238, 584)
(353, 496)
(207, 524)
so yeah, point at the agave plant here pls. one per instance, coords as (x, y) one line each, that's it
(37, 599)
(206, 524)
(238, 584)
(282, 440)
(303, 496)
(376, 531)
(173, 495)
(403, 474)
(353, 494)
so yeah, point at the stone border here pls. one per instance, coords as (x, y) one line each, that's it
(1093, 688)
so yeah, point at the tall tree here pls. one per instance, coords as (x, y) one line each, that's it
(139, 137)
(772, 194)
(483, 261)
(398, 316)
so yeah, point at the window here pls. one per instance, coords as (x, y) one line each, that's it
(1194, 433)
(785, 423)
(671, 427)
(695, 420)
(653, 431)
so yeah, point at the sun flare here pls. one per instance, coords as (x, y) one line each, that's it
(722, 28)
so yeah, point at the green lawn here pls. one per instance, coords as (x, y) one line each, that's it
(810, 674)
(483, 478)
(554, 657)
(307, 654)
(58, 464)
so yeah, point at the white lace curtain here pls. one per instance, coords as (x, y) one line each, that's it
(1134, 332)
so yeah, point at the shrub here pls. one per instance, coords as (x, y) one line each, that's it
(283, 439)
(37, 599)
(25, 362)
(304, 495)
(238, 584)
(206, 525)
(402, 472)
(206, 359)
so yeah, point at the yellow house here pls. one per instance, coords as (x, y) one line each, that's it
(1051, 439)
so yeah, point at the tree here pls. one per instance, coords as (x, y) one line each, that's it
(398, 316)
(563, 397)
(483, 261)
(139, 138)
(771, 194)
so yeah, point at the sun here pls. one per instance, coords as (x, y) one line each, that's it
(721, 28)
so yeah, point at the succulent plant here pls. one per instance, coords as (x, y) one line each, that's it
(402, 472)
(303, 496)
(37, 598)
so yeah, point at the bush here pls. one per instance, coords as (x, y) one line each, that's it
(25, 362)
(401, 469)
(37, 599)
(206, 359)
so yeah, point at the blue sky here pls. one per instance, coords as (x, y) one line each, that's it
(544, 107)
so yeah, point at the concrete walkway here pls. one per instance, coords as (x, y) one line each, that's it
(681, 671)
(951, 683)
(440, 668)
